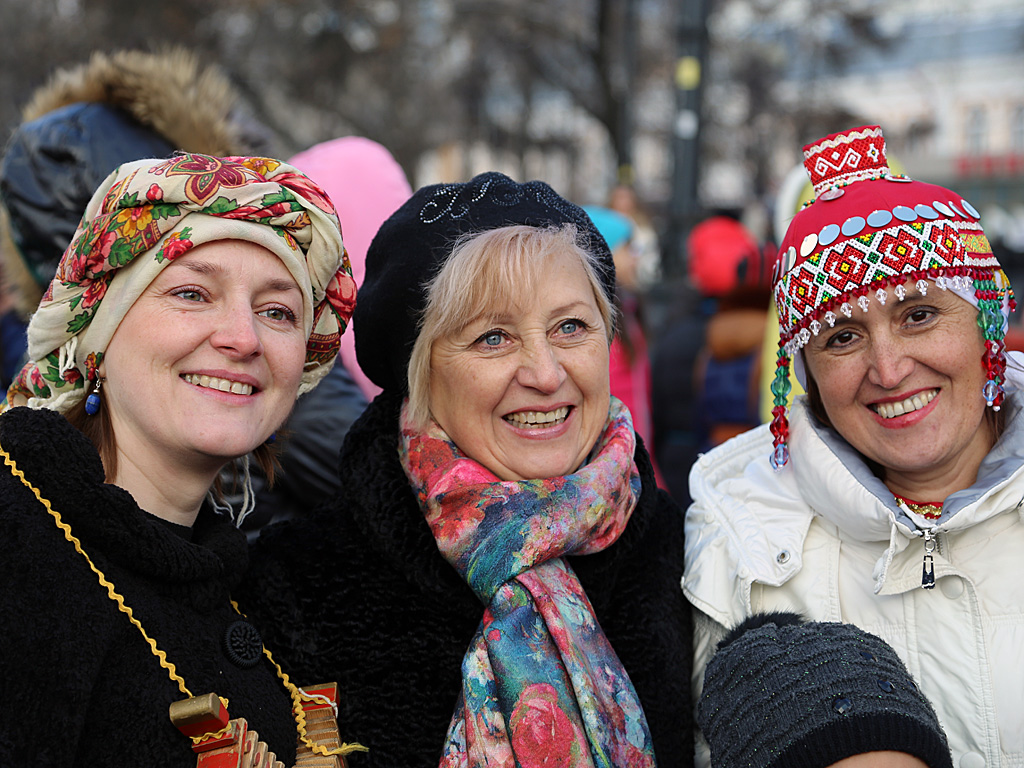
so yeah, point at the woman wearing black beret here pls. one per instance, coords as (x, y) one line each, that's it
(498, 581)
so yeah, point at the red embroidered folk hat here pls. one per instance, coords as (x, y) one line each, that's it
(866, 233)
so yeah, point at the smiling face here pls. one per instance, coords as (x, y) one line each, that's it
(902, 383)
(207, 362)
(524, 389)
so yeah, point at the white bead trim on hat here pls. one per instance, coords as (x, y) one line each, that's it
(960, 284)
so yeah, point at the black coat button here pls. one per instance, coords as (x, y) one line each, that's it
(243, 644)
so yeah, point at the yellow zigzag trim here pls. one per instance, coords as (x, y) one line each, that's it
(111, 593)
(298, 695)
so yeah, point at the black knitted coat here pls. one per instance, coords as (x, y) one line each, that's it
(79, 684)
(359, 594)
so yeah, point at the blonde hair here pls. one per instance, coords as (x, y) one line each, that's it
(486, 270)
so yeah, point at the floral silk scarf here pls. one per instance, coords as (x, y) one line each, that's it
(541, 684)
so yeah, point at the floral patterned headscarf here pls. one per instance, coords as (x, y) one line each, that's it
(149, 212)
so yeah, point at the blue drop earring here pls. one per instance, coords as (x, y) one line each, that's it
(92, 402)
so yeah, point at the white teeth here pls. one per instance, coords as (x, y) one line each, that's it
(224, 385)
(911, 404)
(531, 419)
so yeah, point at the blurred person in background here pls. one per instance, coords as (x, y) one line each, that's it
(497, 578)
(706, 358)
(727, 265)
(889, 495)
(366, 185)
(643, 240)
(629, 361)
(197, 300)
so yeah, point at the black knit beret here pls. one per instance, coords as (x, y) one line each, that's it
(781, 692)
(413, 244)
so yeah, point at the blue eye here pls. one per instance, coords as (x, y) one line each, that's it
(570, 327)
(492, 338)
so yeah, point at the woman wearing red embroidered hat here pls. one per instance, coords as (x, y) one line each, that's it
(198, 298)
(888, 496)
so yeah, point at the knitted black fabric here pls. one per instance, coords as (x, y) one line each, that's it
(80, 686)
(782, 693)
(360, 594)
(416, 240)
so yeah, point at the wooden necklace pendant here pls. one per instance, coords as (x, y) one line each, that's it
(222, 742)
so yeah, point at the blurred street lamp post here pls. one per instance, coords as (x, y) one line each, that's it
(684, 206)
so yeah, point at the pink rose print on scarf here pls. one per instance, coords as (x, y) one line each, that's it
(543, 736)
(38, 382)
(87, 255)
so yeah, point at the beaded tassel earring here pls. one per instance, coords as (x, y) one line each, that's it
(92, 402)
(780, 388)
(991, 321)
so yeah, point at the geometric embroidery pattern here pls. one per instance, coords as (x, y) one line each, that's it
(831, 275)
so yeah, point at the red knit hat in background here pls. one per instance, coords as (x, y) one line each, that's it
(866, 233)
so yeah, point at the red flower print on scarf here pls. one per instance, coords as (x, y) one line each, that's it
(309, 190)
(453, 528)
(154, 194)
(176, 244)
(96, 290)
(88, 255)
(341, 296)
(542, 734)
(207, 175)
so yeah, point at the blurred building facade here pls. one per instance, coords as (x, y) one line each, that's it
(945, 80)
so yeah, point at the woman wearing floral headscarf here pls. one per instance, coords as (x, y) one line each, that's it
(198, 298)
(889, 496)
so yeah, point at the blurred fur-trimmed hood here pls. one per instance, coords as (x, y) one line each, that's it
(168, 96)
(168, 91)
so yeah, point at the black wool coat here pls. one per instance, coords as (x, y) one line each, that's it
(358, 593)
(79, 685)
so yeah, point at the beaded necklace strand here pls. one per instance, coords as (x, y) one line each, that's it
(297, 694)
